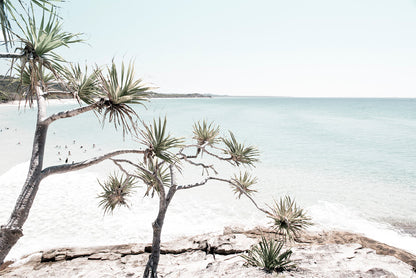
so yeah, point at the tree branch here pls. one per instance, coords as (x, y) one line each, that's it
(244, 192)
(12, 55)
(198, 147)
(204, 166)
(189, 186)
(58, 93)
(227, 181)
(72, 113)
(124, 170)
(162, 194)
(59, 169)
(228, 159)
(133, 164)
(172, 188)
(204, 149)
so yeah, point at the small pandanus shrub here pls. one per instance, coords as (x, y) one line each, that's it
(288, 219)
(116, 190)
(268, 255)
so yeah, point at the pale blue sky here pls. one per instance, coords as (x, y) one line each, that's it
(355, 48)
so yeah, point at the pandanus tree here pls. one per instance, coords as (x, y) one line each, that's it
(166, 158)
(108, 92)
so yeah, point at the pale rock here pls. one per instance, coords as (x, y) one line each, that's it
(207, 256)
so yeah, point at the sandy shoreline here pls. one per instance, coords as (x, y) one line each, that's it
(316, 254)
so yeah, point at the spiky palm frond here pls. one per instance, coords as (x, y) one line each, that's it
(40, 41)
(120, 90)
(268, 255)
(206, 133)
(158, 142)
(124, 88)
(116, 190)
(240, 153)
(7, 8)
(151, 181)
(84, 86)
(288, 219)
(244, 181)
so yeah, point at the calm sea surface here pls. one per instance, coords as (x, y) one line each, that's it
(350, 162)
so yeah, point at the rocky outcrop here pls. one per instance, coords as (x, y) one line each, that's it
(334, 237)
(92, 253)
(335, 254)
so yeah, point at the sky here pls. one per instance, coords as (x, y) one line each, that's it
(298, 48)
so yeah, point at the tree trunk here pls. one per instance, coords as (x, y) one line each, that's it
(12, 231)
(153, 262)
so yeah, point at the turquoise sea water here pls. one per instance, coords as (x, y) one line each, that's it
(350, 162)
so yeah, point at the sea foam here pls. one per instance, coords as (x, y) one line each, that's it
(328, 216)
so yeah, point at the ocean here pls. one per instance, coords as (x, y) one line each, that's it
(351, 163)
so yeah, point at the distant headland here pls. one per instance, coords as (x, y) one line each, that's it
(9, 87)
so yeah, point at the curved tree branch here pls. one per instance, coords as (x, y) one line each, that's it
(71, 113)
(58, 94)
(204, 149)
(59, 169)
(189, 186)
(198, 164)
(124, 170)
(228, 159)
(12, 55)
(227, 181)
(244, 192)
(172, 188)
(162, 194)
(133, 164)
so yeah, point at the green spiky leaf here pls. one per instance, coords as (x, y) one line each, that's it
(40, 41)
(121, 89)
(244, 182)
(205, 133)
(268, 255)
(84, 86)
(159, 143)
(151, 181)
(239, 153)
(8, 9)
(116, 190)
(288, 219)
